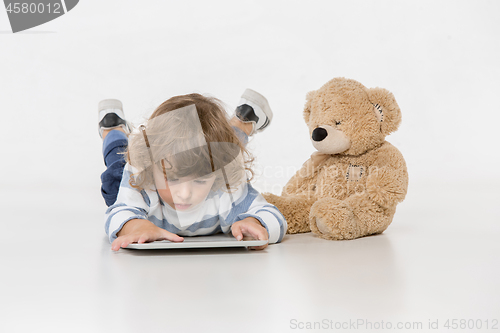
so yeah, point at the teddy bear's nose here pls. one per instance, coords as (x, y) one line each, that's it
(319, 134)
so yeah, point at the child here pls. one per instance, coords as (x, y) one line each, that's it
(183, 172)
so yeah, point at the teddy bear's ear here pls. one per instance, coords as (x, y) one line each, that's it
(307, 108)
(386, 109)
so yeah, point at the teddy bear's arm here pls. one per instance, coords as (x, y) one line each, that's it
(304, 181)
(387, 185)
(387, 179)
(299, 184)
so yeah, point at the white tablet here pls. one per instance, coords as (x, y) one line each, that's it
(219, 240)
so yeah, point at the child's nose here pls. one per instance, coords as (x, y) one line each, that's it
(183, 190)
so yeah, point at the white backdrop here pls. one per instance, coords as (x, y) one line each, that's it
(440, 59)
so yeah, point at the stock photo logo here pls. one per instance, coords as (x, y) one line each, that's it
(25, 15)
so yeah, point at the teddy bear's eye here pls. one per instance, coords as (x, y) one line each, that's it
(337, 123)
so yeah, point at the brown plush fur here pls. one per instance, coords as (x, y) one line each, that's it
(354, 192)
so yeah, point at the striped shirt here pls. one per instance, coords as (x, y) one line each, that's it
(219, 211)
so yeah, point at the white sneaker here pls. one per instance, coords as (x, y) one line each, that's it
(254, 108)
(111, 115)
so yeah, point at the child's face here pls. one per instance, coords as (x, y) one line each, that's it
(184, 193)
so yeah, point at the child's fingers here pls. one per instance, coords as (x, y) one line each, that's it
(115, 246)
(124, 241)
(119, 243)
(140, 238)
(237, 232)
(171, 236)
(255, 231)
(260, 235)
(143, 238)
(258, 247)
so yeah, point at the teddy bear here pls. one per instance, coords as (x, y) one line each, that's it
(350, 186)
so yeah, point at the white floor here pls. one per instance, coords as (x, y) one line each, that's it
(435, 262)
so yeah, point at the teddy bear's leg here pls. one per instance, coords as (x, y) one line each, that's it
(295, 209)
(355, 217)
(334, 219)
(373, 218)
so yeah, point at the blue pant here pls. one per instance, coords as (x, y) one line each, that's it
(113, 147)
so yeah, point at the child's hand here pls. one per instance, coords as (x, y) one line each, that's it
(250, 227)
(142, 231)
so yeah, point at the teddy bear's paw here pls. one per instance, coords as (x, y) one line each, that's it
(385, 186)
(334, 222)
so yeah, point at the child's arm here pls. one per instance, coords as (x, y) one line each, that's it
(127, 219)
(141, 231)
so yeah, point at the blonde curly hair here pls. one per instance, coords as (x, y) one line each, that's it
(188, 135)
